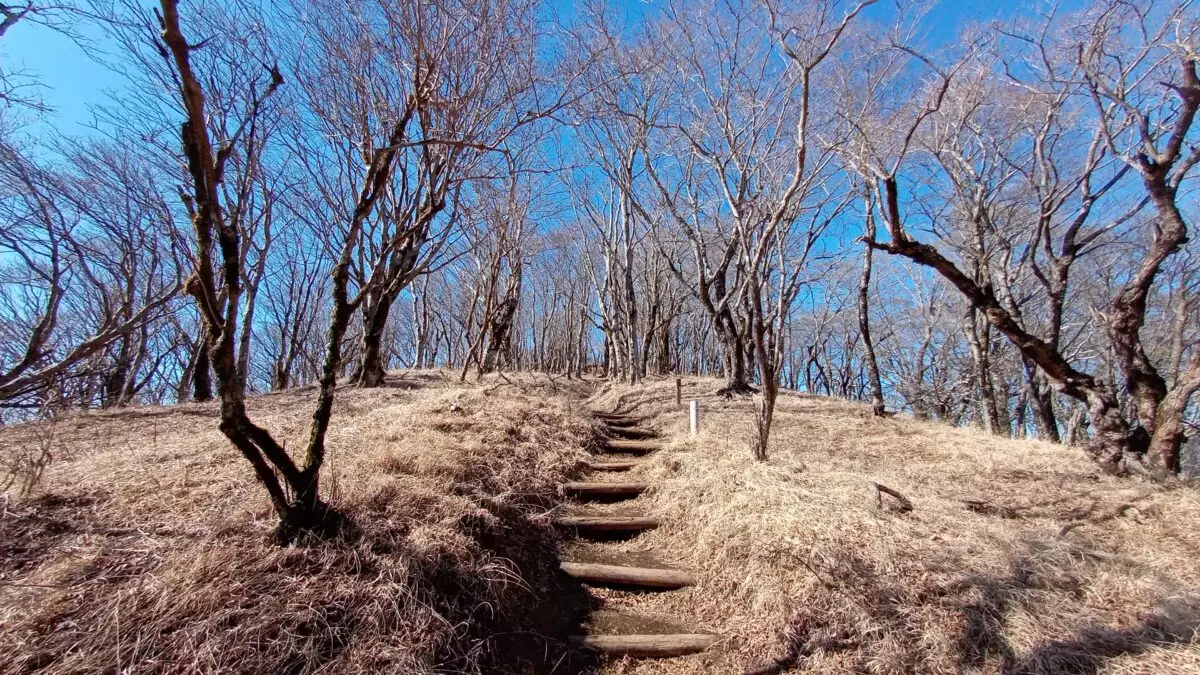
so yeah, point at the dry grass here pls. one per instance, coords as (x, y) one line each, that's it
(146, 548)
(1019, 557)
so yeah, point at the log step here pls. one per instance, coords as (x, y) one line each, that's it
(608, 524)
(613, 466)
(620, 420)
(580, 489)
(647, 646)
(633, 447)
(632, 432)
(608, 414)
(618, 575)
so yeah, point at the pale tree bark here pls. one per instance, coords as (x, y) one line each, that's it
(864, 311)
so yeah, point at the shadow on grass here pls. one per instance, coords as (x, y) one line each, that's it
(34, 532)
(1175, 622)
(531, 634)
(863, 612)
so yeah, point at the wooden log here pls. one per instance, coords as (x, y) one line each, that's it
(642, 577)
(621, 419)
(903, 505)
(633, 447)
(632, 432)
(581, 489)
(608, 523)
(621, 423)
(647, 646)
(613, 466)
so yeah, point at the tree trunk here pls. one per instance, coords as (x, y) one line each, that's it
(735, 358)
(864, 319)
(421, 324)
(371, 368)
(1147, 388)
(663, 357)
(117, 378)
(281, 377)
(1041, 400)
(1076, 425)
(763, 419)
(250, 299)
(499, 334)
(1020, 412)
(1163, 453)
(202, 372)
(980, 355)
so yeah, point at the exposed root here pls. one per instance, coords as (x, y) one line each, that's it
(736, 389)
(320, 523)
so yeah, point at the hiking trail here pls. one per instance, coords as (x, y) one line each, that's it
(606, 510)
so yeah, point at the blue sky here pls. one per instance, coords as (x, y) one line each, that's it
(72, 82)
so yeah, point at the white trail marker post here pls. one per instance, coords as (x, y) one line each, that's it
(694, 417)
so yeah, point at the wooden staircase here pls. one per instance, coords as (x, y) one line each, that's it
(627, 443)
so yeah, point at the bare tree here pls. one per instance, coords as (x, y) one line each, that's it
(1149, 130)
(878, 406)
(55, 16)
(83, 275)
(466, 81)
(1156, 127)
(296, 295)
(299, 507)
(506, 267)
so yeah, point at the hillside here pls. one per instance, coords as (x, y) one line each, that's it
(1017, 557)
(146, 547)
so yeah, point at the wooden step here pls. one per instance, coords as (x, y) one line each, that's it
(608, 524)
(632, 432)
(618, 575)
(613, 466)
(620, 420)
(633, 447)
(647, 646)
(580, 489)
(608, 414)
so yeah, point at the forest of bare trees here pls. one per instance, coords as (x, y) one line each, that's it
(987, 228)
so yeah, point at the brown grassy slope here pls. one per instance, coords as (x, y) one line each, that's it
(147, 545)
(800, 572)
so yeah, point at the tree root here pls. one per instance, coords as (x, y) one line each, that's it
(319, 522)
(736, 389)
